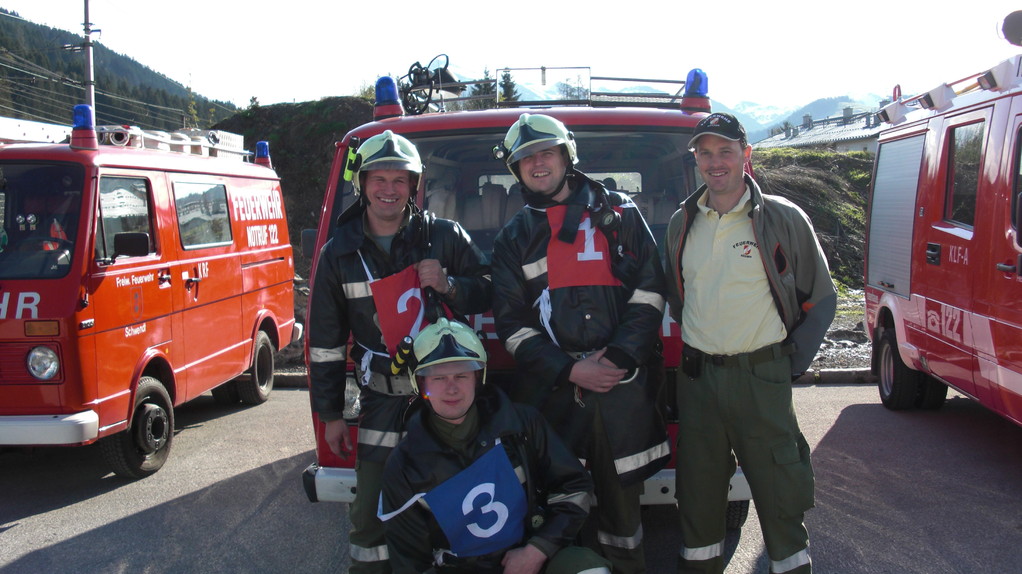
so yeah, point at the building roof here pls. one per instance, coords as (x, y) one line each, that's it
(845, 128)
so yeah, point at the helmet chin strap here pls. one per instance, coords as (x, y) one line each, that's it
(537, 199)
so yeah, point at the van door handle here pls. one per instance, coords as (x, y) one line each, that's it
(164, 277)
(192, 280)
(933, 253)
(1008, 268)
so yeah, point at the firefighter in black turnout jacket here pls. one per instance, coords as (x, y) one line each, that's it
(578, 302)
(480, 484)
(383, 248)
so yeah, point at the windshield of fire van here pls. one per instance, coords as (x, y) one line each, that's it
(462, 181)
(40, 207)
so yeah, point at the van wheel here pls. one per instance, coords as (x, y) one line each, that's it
(737, 513)
(256, 388)
(226, 394)
(142, 449)
(932, 394)
(899, 385)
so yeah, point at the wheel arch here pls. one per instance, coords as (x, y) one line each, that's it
(890, 316)
(156, 365)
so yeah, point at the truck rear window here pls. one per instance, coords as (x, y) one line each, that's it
(463, 182)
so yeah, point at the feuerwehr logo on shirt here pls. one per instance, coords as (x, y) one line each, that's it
(745, 248)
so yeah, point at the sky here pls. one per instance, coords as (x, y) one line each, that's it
(783, 54)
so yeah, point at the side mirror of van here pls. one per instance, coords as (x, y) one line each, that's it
(309, 243)
(133, 244)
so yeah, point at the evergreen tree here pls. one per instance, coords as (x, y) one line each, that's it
(486, 91)
(508, 88)
(193, 111)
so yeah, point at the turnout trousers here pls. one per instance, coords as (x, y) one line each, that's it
(618, 512)
(743, 409)
(366, 541)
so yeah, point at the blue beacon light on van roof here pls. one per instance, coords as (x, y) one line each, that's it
(696, 90)
(388, 104)
(83, 117)
(83, 129)
(262, 155)
(696, 84)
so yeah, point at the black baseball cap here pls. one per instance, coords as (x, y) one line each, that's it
(719, 124)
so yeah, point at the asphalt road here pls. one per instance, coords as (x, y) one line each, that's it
(918, 492)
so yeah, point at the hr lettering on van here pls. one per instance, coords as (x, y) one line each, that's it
(947, 322)
(255, 204)
(132, 330)
(135, 280)
(261, 235)
(27, 306)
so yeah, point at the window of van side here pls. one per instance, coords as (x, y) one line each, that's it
(125, 208)
(202, 214)
(1016, 194)
(966, 147)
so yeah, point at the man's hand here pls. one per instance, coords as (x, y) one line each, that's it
(338, 438)
(595, 373)
(431, 274)
(525, 560)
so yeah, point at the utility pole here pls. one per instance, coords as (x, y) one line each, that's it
(90, 78)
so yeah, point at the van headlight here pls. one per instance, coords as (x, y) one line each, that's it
(43, 363)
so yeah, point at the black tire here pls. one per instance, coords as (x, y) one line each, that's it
(898, 384)
(226, 394)
(142, 449)
(932, 394)
(737, 514)
(255, 389)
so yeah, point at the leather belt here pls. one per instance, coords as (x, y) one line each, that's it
(762, 355)
(399, 385)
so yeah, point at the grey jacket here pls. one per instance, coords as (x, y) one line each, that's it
(795, 265)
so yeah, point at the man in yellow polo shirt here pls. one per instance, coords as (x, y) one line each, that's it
(750, 287)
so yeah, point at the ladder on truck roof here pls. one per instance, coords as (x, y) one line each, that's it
(26, 131)
(206, 143)
(1000, 78)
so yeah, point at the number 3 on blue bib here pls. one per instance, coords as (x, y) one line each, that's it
(482, 508)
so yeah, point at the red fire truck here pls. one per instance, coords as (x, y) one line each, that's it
(138, 270)
(944, 254)
(634, 141)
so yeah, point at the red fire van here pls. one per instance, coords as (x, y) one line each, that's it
(138, 270)
(944, 250)
(635, 141)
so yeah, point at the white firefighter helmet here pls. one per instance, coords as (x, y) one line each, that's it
(387, 151)
(533, 133)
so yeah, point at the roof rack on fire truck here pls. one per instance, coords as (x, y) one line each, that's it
(211, 143)
(433, 87)
(1001, 78)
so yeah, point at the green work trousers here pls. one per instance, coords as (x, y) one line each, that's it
(367, 544)
(744, 410)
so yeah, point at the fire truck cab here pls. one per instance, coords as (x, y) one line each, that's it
(635, 142)
(138, 270)
(943, 267)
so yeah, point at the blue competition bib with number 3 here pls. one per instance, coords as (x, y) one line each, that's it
(482, 508)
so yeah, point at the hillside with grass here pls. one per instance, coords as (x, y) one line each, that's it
(832, 188)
